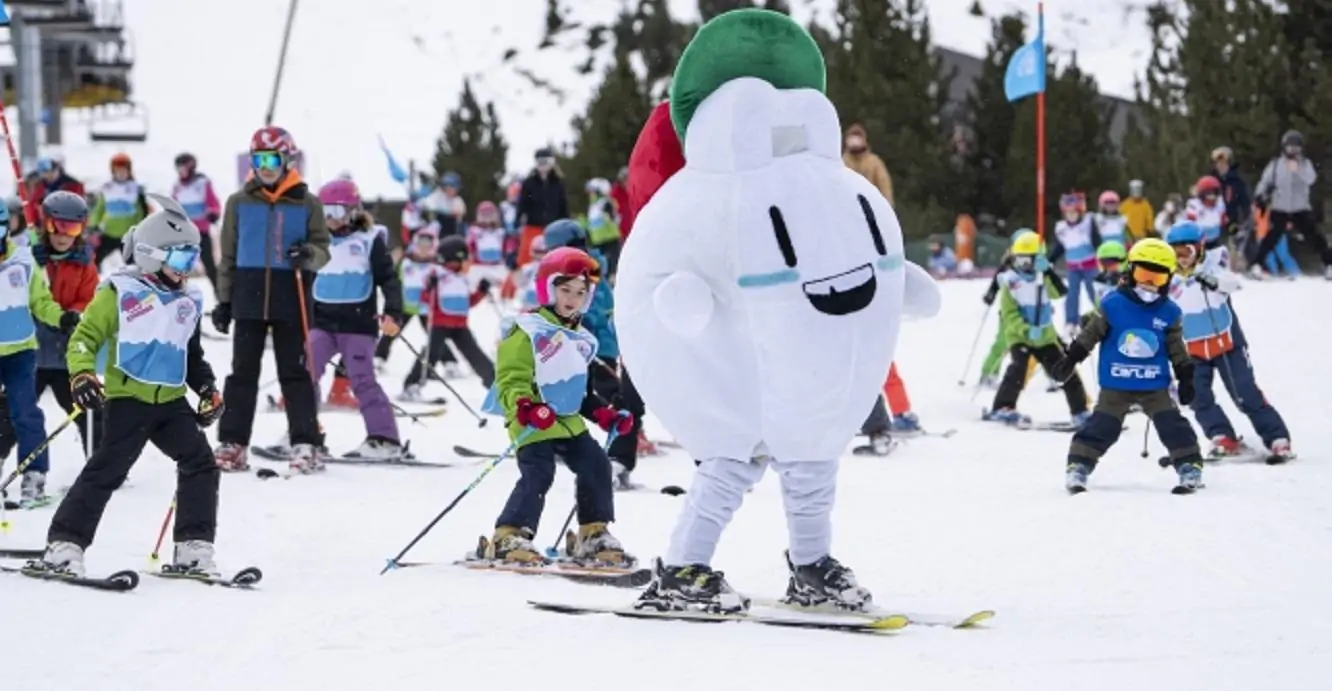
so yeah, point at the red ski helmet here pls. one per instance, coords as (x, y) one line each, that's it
(273, 139)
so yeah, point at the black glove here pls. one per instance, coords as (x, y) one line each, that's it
(210, 406)
(1063, 370)
(212, 217)
(87, 391)
(431, 282)
(1184, 376)
(222, 317)
(1207, 282)
(69, 321)
(300, 253)
(483, 286)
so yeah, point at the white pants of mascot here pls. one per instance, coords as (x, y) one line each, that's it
(495, 273)
(809, 490)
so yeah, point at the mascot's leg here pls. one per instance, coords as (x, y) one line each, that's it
(809, 491)
(685, 580)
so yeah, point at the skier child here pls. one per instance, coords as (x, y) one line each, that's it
(1208, 211)
(542, 387)
(1025, 312)
(485, 243)
(194, 192)
(1078, 239)
(25, 295)
(1110, 223)
(1140, 334)
(418, 263)
(1213, 336)
(1109, 257)
(62, 250)
(449, 301)
(346, 314)
(120, 205)
(602, 224)
(149, 318)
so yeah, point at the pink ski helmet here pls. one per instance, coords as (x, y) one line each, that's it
(487, 212)
(1108, 197)
(566, 262)
(340, 193)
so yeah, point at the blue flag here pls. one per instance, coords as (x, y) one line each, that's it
(4, 15)
(395, 170)
(1026, 69)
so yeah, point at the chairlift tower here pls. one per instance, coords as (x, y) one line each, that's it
(73, 54)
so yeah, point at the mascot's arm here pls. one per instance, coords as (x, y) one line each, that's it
(515, 371)
(922, 297)
(684, 303)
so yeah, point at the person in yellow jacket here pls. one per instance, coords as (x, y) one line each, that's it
(857, 156)
(1138, 213)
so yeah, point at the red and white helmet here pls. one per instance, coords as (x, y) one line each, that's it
(1207, 184)
(566, 262)
(487, 212)
(1107, 198)
(273, 139)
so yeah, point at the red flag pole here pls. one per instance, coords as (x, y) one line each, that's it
(1040, 137)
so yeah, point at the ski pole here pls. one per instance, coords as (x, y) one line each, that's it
(393, 563)
(40, 448)
(153, 559)
(430, 372)
(975, 342)
(1145, 431)
(554, 550)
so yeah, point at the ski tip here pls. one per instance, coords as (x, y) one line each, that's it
(128, 580)
(976, 619)
(673, 490)
(893, 622)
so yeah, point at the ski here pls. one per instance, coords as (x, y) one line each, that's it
(437, 409)
(946, 621)
(871, 450)
(403, 462)
(919, 434)
(877, 625)
(472, 453)
(22, 553)
(245, 579)
(273, 452)
(601, 575)
(118, 582)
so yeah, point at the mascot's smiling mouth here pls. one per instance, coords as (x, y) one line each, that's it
(844, 293)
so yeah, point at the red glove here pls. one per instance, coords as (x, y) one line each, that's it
(621, 420)
(536, 415)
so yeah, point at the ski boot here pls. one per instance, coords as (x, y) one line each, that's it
(410, 393)
(193, 557)
(1279, 452)
(452, 371)
(1075, 477)
(232, 458)
(514, 546)
(32, 491)
(1190, 477)
(906, 424)
(305, 459)
(340, 397)
(65, 558)
(1227, 447)
(376, 448)
(693, 587)
(1010, 417)
(825, 582)
(879, 445)
(595, 546)
(621, 477)
(988, 381)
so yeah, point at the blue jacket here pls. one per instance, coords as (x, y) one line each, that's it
(598, 317)
(1235, 193)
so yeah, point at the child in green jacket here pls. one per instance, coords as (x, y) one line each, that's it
(1026, 314)
(150, 321)
(541, 385)
(120, 205)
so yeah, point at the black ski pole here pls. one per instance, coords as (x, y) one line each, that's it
(1145, 431)
(430, 371)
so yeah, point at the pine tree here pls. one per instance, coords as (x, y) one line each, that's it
(659, 40)
(707, 9)
(606, 133)
(473, 147)
(991, 117)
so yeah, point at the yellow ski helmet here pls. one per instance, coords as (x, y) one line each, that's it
(1154, 252)
(1027, 242)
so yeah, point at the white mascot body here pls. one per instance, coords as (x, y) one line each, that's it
(758, 305)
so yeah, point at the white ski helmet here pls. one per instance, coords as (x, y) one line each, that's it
(168, 227)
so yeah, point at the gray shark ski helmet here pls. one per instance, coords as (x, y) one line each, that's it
(169, 226)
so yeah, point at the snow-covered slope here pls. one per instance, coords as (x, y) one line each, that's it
(1126, 587)
(205, 70)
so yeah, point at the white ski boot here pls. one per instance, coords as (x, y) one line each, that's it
(61, 557)
(305, 459)
(195, 556)
(32, 491)
(826, 582)
(378, 449)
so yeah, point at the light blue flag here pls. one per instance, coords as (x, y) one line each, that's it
(1026, 69)
(4, 15)
(395, 170)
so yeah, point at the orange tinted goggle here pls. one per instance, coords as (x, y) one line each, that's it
(62, 227)
(1149, 276)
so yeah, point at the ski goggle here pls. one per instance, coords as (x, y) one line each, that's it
(336, 212)
(266, 160)
(1148, 275)
(179, 258)
(57, 226)
(1070, 200)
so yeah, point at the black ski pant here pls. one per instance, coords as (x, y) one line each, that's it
(619, 392)
(130, 425)
(242, 387)
(105, 246)
(58, 381)
(1015, 377)
(1107, 421)
(8, 437)
(1280, 222)
(536, 464)
(465, 342)
(209, 259)
(879, 421)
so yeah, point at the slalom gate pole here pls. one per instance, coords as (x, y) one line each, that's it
(513, 447)
(554, 550)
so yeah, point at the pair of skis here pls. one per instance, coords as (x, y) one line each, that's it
(125, 581)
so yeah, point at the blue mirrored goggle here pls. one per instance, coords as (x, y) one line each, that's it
(266, 160)
(180, 258)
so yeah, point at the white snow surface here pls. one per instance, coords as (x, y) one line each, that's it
(395, 67)
(1125, 587)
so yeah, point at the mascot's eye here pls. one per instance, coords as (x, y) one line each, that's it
(784, 237)
(881, 248)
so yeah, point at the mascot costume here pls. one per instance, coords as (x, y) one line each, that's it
(759, 298)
